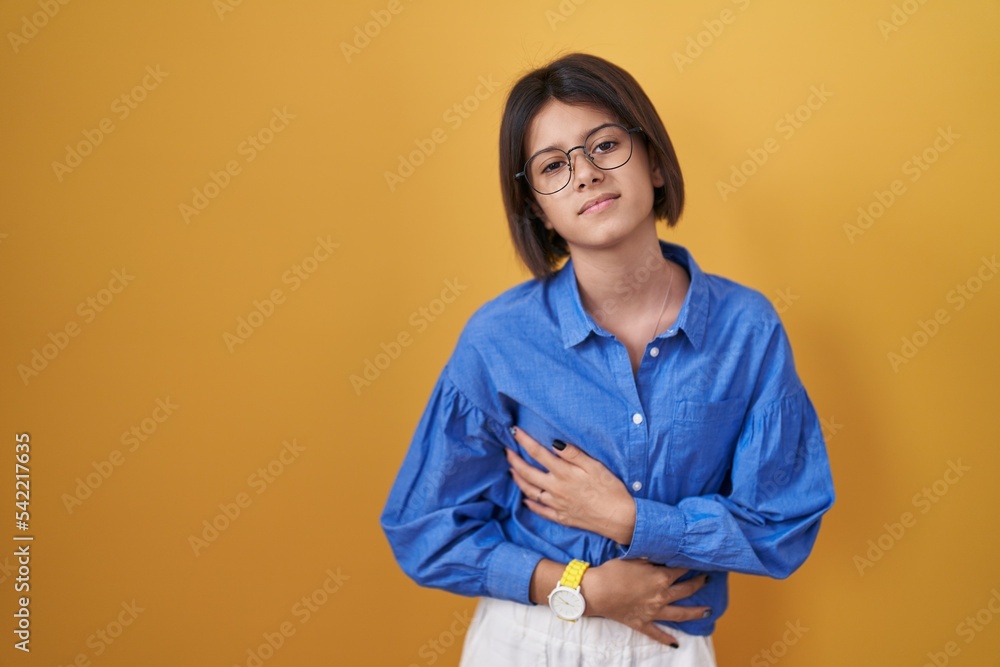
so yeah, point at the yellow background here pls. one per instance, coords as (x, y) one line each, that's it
(847, 303)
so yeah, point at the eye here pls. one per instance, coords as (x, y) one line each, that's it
(551, 165)
(604, 146)
(607, 140)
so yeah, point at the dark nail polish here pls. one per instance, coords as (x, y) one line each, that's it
(559, 444)
(676, 645)
(708, 612)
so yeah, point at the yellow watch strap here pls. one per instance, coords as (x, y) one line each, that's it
(573, 574)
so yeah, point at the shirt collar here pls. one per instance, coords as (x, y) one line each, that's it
(576, 324)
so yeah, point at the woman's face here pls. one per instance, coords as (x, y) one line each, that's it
(599, 208)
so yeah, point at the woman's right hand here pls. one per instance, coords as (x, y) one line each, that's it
(637, 592)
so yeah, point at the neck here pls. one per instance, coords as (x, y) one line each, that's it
(626, 283)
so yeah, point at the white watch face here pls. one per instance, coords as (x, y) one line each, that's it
(567, 603)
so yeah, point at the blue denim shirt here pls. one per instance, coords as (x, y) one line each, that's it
(715, 436)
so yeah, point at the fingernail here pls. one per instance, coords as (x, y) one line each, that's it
(708, 612)
(513, 430)
(706, 578)
(559, 444)
(675, 645)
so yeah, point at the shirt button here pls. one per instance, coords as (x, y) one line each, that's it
(655, 352)
(637, 486)
(637, 418)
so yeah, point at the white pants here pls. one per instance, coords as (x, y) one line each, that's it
(508, 634)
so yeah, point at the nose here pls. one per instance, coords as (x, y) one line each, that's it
(583, 170)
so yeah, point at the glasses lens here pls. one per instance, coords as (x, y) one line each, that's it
(610, 147)
(548, 172)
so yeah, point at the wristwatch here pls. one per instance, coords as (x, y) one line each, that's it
(566, 600)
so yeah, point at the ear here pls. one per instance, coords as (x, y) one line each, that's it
(539, 213)
(656, 174)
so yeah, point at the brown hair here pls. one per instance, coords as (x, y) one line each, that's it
(583, 79)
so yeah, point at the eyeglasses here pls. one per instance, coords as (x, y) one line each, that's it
(549, 171)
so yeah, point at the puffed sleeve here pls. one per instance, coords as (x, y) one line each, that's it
(780, 485)
(442, 517)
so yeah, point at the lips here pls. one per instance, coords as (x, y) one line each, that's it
(598, 204)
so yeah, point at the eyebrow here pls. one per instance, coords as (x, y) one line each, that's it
(589, 132)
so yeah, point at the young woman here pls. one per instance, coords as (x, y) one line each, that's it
(610, 439)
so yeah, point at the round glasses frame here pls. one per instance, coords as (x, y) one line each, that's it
(523, 174)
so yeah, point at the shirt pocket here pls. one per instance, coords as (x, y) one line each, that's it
(702, 441)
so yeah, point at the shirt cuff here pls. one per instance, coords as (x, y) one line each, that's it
(509, 571)
(658, 533)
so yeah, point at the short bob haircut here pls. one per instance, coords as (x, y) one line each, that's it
(579, 79)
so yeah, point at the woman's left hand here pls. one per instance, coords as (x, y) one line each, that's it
(577, 490)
